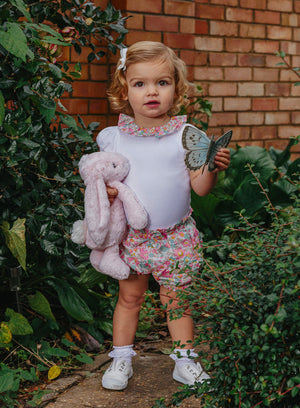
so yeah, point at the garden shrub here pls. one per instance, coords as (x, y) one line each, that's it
(248, 311)
(42, 290)
(41, 144)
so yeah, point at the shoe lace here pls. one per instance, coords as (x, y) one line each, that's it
(120, 366)
(123, 366)
(193, 370)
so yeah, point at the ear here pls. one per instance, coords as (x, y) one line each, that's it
(82, 165)
(125, 96)
(97, 210)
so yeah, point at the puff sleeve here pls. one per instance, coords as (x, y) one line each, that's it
(106, 139)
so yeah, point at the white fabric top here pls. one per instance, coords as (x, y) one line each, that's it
(158, 174)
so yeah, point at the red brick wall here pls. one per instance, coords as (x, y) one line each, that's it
(229, 47)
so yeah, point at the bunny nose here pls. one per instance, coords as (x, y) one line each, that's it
(114, 165)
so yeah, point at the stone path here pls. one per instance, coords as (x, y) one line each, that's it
(152, 380)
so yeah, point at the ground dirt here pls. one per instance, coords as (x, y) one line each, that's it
(152, 380)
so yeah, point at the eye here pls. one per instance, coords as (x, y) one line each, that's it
(163, 82)
(114, 165)
(139, 84)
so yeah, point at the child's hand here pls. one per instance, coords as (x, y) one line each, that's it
(222, 159)
(111, 193)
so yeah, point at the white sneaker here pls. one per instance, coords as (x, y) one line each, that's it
(117, 375)
(189, 373)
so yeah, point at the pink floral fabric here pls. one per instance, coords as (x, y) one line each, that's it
(168, 254)
(126, 124)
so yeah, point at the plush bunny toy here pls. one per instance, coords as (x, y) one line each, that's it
(104, 226)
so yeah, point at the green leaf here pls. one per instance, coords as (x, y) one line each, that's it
(6, 382)
(281, 191)
(295, 390)
(68, 343)
(21, 6)
(30, 144)
(106, 327)
(29, 375)
(280, 54)
(71, 301)
(56, 71)
(281, 314)
(48, 103)
(250, 196)
(76, 75)
(52, 40)
(18, 324)
(204, 207)
(68, 120)
(58, 352)
(49, 247)
(47, 108)
(15, 239)
(40, 304)
(2, 108)
(47, 29)
(118, 28)
(84, 358)
(82, 134)
(77, 67)
(255, 156)
(14, 41)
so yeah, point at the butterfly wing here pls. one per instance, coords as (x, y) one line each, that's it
(223, 141)
(196, 143)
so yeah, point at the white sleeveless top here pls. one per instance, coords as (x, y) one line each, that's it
(158, 174)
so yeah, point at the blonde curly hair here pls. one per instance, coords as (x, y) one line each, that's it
(147, 51)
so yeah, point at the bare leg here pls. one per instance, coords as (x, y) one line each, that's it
(126, 315)
(186, 371)
(182, 329)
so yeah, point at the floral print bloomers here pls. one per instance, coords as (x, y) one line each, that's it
(169, 254)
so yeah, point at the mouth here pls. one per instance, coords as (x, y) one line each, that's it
(152, 104)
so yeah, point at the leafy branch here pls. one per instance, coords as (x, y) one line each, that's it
(282, 55)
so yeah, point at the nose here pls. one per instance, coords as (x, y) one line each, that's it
(152, 89)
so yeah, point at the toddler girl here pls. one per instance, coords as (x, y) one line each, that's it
(148, 89)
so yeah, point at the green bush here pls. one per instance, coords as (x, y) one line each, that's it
(252, 320)
(248, 311)
(44, 277)
(40, 145)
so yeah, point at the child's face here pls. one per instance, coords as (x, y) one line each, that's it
(151, 89)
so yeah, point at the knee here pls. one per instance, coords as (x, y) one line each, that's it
(131, 301)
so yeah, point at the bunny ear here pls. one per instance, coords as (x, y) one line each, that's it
(97, 210)
(82, 165)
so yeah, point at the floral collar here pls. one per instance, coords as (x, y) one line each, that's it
(126, 124)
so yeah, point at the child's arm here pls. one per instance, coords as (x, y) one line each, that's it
(203, 183)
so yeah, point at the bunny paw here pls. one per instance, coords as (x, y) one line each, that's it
(79, 231)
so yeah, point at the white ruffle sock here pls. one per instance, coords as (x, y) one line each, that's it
(122, 353)
(184, 356)
(186, 371)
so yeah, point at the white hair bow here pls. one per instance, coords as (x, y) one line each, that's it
(123, 53)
